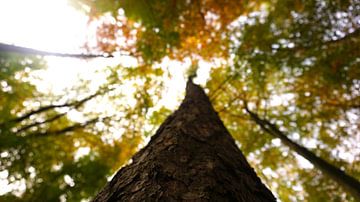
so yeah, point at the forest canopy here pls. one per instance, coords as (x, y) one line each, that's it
(293, 63)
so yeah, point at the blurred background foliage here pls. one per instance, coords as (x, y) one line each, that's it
(295, 63)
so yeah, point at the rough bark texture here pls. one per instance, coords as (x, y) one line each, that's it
(192, 157)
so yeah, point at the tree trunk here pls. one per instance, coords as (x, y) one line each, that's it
(346, 181)
(192, 157)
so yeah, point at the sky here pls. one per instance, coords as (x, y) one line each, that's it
(49, 26)
(42, 24)
(57, 27)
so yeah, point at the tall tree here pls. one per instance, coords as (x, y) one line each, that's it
(192, 156)
(270, 49)
(311, 125)
(347, 182)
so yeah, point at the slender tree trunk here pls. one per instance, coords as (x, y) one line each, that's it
(192, 157)
(346, 181)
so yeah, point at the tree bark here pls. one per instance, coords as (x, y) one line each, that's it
(346, 181)
(191, 157)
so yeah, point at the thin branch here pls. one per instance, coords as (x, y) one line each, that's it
(348, 105)
(64, 130)
(353, 35)
(76, 104)
(30, 51)
(41, 122)
(213, 95)
(347, 38)
(41, 109)
(201, 13)
(231, 103)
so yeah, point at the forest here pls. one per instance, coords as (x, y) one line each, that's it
(283, 77)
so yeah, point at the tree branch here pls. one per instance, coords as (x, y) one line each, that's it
(41, 122)
(30, 51)
(228, 79)
(64, 130)
(76, 104)
(41, 109)
(347, 38)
